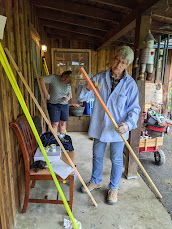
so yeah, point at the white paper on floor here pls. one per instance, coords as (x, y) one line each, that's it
(68, 224)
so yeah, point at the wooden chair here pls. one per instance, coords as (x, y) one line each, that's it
(28, 146)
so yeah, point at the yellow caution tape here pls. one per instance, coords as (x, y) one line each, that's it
(13, 82)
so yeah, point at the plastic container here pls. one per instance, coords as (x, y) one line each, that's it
(89, 107)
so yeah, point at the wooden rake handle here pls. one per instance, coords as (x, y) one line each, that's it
(122, 136)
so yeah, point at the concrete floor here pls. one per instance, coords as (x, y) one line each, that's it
(137, 207)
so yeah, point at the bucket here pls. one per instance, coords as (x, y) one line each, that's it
(76, 111)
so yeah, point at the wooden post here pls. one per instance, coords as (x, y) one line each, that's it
(166, 86)
(141, 30)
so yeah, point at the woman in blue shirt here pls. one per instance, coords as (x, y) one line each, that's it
(119, 91)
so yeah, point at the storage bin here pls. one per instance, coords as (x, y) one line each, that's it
(89, 107)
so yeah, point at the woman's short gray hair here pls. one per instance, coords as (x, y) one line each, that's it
(126, 52)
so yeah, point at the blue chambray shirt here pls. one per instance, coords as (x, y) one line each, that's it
(123, 104)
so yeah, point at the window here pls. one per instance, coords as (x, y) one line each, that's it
(71, 59)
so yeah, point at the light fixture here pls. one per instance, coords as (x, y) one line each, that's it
(44, 48)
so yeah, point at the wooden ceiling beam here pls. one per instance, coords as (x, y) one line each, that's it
(77, 33)
(85, 44)
(73, 19)
(162, 18)
(119, 31)
(127, 24)
(159, 31)
(79, 9)
(71, 28)
(120, 5)
(71, 35)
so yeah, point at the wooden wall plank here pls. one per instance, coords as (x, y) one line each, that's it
(101, 60)
(5, 176)
(28, 48)
(23, 43)
(3, 213)
(93, 62)
(9, 107)
(17, 40)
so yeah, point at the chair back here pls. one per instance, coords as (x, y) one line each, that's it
(25, 138)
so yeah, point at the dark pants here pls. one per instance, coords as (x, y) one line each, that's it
(58, 112)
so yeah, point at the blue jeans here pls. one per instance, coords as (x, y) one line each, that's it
(116, 156)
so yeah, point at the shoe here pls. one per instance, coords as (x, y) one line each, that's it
(112, 197)
(91, 186)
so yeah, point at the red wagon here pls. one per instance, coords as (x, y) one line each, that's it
(152, 145)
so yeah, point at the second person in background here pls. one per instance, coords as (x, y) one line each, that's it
(58, 98)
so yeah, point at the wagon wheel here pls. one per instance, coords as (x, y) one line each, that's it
(167, 130)
(159, 157)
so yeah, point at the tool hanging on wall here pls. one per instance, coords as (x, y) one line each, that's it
(13, 82)
(116, 128)
(44, 63)
(44, 104)
(49, 125)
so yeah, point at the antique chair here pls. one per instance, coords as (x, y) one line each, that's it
(28, 146)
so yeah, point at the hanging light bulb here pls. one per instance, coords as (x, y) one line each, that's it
(44, 48)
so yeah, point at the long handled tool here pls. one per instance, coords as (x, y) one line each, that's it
(49, 124)
(13, 82)
(39, 86)
(45, 65)
(122, 136)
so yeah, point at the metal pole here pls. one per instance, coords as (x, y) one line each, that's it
(166, 57)
(163, 60)
(157, 58)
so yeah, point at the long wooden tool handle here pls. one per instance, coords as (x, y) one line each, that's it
(122, 136)
(44, 104)
(49, 124)
(45, 65)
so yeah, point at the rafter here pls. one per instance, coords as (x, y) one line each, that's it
(71, 28)
(162, 18)
(119, 31)
(84, 44)
(159, 31)
(71, 35)
(73, 19)
(79, 9)
(121, 5)
(127, 24)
